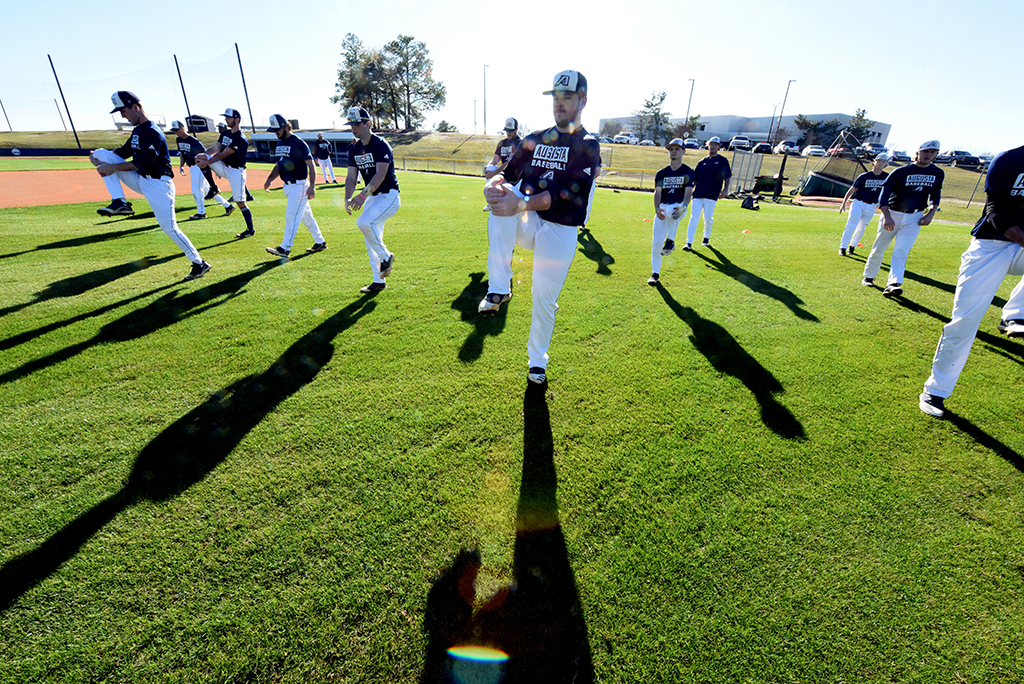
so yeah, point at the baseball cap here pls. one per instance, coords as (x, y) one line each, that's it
(176, 125)
(122, 99)
(233, 113)
(568, 81)
(883, 157)
(511, 124)
(277, 122)
(357, 115)
(714, 139)
(930, 145)
(674, 142)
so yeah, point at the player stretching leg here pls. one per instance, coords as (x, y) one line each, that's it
(864, 192)
(188, 147)
(227, 159)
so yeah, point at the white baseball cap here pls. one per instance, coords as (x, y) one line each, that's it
(233, 113)
(883, 157)
(675, 142)
(930, 145)
(176, 125)
(511, 124)
(714, 139)
(568, 81)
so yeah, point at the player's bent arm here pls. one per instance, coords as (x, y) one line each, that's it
(847, 198)
(350, 187)
(311, 190)
(274, 173)
(929, 215)
(378, 179)
(887, 221)
(657, 202)
(688, 195)
(490, 172)
(109, 169)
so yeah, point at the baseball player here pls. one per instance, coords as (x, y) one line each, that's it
(864, 193)
(996, 250)
(505, 149)
(371, 157)
(710, 184)
(188, 147)
(323, 157)
(149, 173)
(557, 169)
(295, 166)
(907, 192)
(673, 190)
(227, 159)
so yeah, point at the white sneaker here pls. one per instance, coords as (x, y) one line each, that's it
(1015, 328)
(931, 404)
(537, 375)
(492, 302)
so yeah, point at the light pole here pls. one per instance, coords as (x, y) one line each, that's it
(791, 81)
(771, 123)
(474, 117)
(687, 121)
(485, 99)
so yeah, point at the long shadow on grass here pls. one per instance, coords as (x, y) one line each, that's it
(757, 284)
(483, 325)
(84, 240)
(189, 449)
(537, 620)
(158, 314)
(592, 249)
(727, 356)
(939, 285)
(1004, 346)
(986, 440)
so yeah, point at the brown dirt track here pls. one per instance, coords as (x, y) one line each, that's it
(38, 188)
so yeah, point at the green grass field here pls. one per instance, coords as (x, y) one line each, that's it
(266, 476)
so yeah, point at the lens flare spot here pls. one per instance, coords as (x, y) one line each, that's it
(480, 654)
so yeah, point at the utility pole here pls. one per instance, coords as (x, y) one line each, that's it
(791, 82)
(687, 121)
(485, 99)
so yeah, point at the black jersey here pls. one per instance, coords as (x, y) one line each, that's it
(147, 148)
(1004, 186)
(237, 142)
(188, 148)
(323, 149)
(911, 188)
(673, 183)
(507, 147)
(291, 154)
(710, 176)
(869, 187)
(563, 164)
(366, 157)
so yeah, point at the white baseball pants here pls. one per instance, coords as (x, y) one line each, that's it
(860, 216)
(902, 236)
(158, 192)
(298, 211)
(697, 207)
(664, 228)
(327, 169)
(982, 269)
(199, 189)
(234, 176)
(375, 212)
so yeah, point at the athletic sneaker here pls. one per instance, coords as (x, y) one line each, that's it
(210, 195)
(1015, 328)
(688, 247)
(317, 247)
(248, 232)
(893, 290)
(868, 282)
(537, 375)
(198, 271)
(374, 287)
(1001, 327)
(229, 209)
(492, 301)
(248, 195)
(653, 280)
(118, 207)
(707, 242)
(386, 266)
(850, 251)
(196, 217)
(932, 405)
(278, 251)
(842, 252)
(668, 247)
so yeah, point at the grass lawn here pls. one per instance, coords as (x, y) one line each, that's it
(266, 476)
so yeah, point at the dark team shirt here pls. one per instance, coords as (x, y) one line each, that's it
(323, 149)
(239, 144)
(673, 184)
(507, 147)
(147, 148)
(291, 154)
(366, 157)
(188, 148)
(563, 164)
(710, 176)
(869, 187)
(1004, 186)
(911, 188)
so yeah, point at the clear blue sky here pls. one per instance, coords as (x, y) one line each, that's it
(937, 69)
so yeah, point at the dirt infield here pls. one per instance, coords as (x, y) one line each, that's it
(39, 188)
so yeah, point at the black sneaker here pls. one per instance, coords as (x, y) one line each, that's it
(851, 251)
(868, 282)
(537, 375)
(278, 252)
(707, 242)
(668, 247)
(196, 217)
(374, 287)
(248, 195)
(210, 195)
(229, 209)
(198, 271)
(386, 266)
(1015, 328)
(893, 290)
(842, 252)
(118, 207)
(932, 405)
(688, 247)
(653, 280)
(317, 247)
(248, 232)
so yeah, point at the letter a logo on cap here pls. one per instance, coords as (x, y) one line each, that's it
(563, 80)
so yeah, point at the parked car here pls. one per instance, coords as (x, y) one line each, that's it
(691, 144)
(899, 156)
(963, 159)
(762, 148)
(874, 149)
(739, 142)
(624, 139)
(984, 160)
(813, 151)
(647, 143)
(840, 151)
(787, 147)
(943, 158)
(605, 140)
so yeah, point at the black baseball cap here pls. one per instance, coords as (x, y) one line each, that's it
(233, 113)
(277, 122)
(122, 99)
(357, 115)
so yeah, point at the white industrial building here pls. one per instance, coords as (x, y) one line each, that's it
(756, 128)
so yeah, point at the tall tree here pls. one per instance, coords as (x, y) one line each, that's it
(411, 72)
(686, 129)
(359, 80)
(611, 128)
(810, 130)
(651, 120)
(860, 125)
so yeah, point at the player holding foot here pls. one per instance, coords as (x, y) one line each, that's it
(864, 192)
(295, 167)
(558, 168)
(227, 159)
(149, 173)
(673, 190)
(188, 147)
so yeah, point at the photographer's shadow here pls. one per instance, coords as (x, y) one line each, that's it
(533, 629)
(484, 325)
(593, 250)
(188, 450)
(757, 284)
